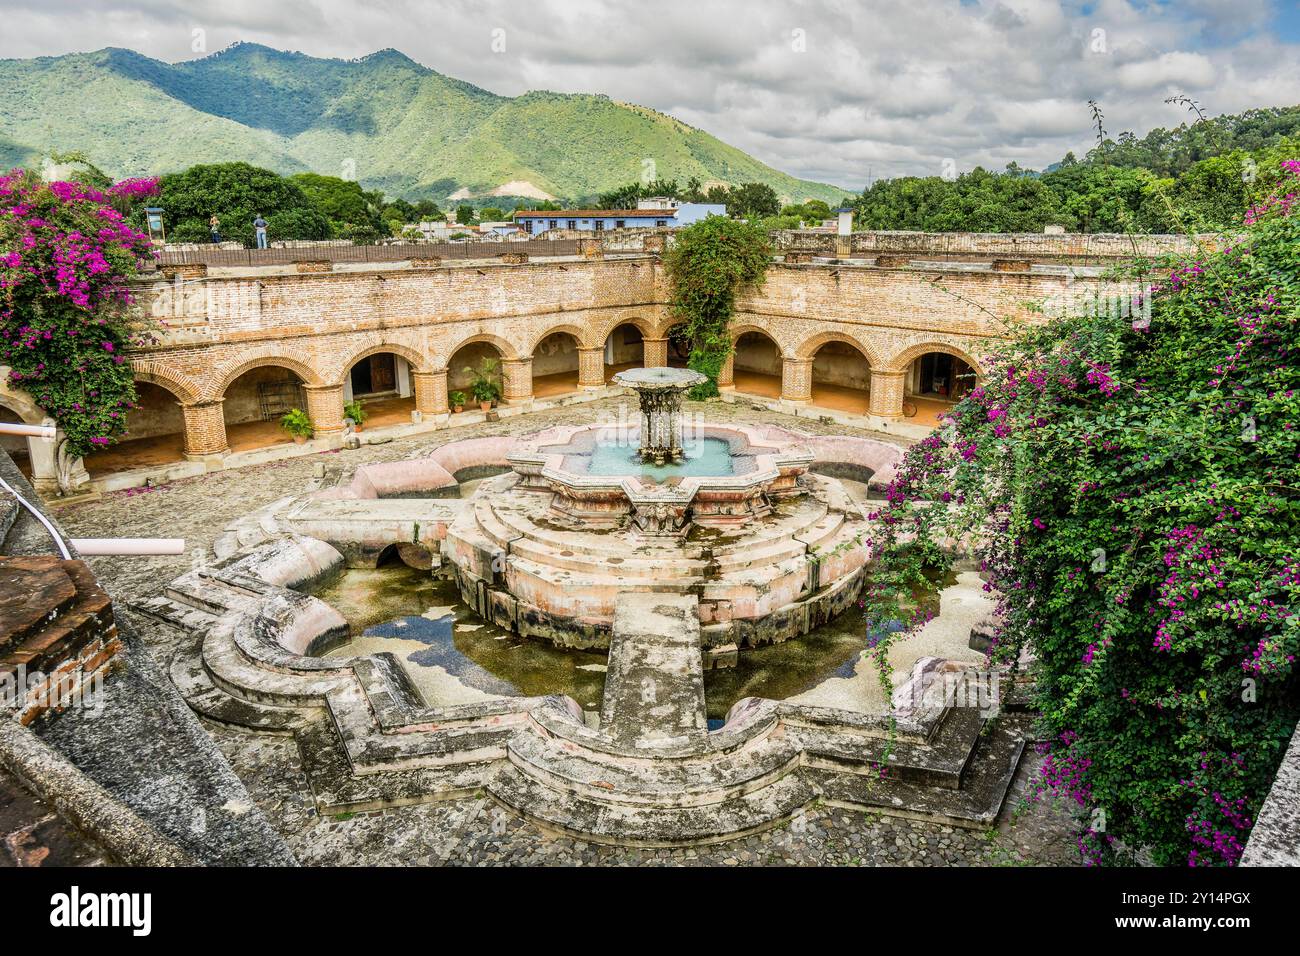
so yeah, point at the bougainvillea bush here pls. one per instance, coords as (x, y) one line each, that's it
(66, 253)
(1131, 486)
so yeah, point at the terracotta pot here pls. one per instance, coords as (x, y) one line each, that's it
(458, 409)
(485, 406)
(299, 439)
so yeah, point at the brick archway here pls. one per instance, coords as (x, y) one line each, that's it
(808, 348)
(416, 360)
(648, 329)
(580, 335)
(226, 376)
(185, 391)
(905, 358)
(505, 348)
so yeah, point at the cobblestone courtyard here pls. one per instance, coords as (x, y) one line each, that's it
(476, 830)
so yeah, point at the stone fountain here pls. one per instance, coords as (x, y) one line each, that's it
(660, 391)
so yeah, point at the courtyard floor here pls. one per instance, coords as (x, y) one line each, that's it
(477, 831)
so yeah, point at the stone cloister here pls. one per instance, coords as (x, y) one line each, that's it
(233, 348)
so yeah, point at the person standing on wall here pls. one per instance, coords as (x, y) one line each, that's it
(214, 226)
(259, 226)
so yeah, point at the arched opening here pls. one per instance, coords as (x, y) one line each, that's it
(841, 378)
(154, 435)
(17, 446)
(254, 404)
(934, 382)
(624, 349)
(679, 346)
(756, 365)
(381, 382)
(555, 365)
(464, 364)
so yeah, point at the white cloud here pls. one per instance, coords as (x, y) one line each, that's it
(867, 88)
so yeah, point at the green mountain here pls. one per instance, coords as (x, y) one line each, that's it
(385, 119)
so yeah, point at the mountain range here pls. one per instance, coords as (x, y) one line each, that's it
(384, 120)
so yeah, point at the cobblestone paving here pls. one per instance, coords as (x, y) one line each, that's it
(476, 830)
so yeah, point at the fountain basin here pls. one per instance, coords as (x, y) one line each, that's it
(755, 475)
(547, 549)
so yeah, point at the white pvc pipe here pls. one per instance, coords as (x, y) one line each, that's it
(95, 547)
(35, 431)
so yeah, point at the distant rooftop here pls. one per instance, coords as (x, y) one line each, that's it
(595, 213)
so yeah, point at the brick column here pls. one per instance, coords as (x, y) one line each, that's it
(325, 406)
(886, 393)
(796, 380)
(727, 374)
(517, 381)
(430, 392)
(654, 352)
(591, 368)
(205, 429)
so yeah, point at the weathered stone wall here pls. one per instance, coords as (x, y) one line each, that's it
(314, 320)
(1060, 247)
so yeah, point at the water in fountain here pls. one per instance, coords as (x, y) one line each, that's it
(703, 456)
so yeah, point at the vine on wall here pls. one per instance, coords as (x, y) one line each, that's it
(709, 262)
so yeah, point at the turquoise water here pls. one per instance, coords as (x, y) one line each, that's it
(705, 457)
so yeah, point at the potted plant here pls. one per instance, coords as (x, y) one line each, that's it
(457, 400)
(298, 424)
(355, 413)
(484, 384)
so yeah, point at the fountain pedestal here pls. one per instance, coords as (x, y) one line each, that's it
(660, 391)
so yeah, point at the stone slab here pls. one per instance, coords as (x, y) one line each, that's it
(654, 688)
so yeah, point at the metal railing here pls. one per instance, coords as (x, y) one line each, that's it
(390, 252)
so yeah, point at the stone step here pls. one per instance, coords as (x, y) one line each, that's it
(371, 750)
(206, 592)
(180, 615)
(977, 804)
(231, 670)
(213, 703)
(503, 524)
(626, 825)
(338, 789)
(940, 764)
(712, 778)
(573, 556)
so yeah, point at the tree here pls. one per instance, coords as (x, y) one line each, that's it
(237, 193)
(465, 215)
(353, 212)
(753, 201)
(427, 209)
(491, 214)
(65, 322)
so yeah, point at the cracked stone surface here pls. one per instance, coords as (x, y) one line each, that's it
(477, 830)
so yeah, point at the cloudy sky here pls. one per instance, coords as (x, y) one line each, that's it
(831, 90)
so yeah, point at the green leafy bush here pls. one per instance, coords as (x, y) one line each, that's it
(297, 423)
(1131, 485)
(355, 412)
